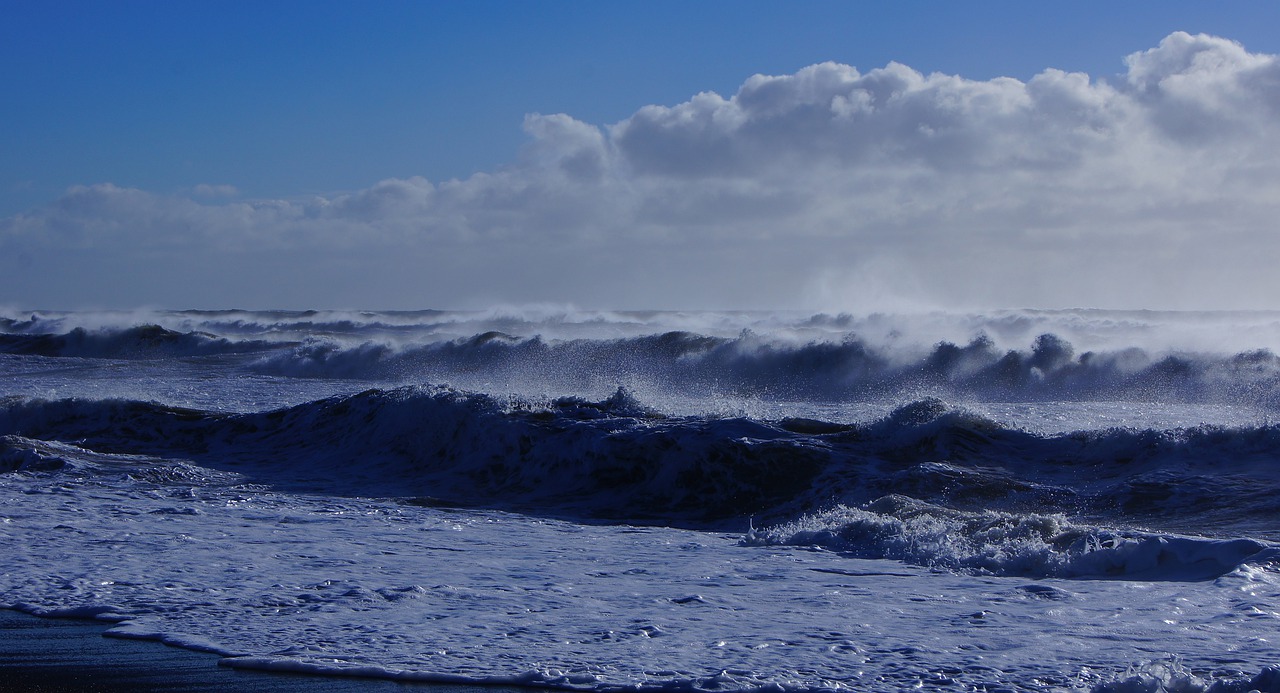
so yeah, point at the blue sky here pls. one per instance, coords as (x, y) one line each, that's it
(192, 108)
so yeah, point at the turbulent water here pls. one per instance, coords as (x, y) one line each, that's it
(1020, 500)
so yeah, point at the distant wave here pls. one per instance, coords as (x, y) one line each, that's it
(617, 460)
(749, 365)
(141, 342)
(812, 359)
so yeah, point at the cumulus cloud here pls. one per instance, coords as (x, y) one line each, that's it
(1160, 189)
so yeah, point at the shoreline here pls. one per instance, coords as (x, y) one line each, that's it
(66, 655)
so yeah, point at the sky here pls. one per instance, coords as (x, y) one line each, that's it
(836, 156)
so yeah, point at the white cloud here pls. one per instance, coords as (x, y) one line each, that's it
(1119, 193)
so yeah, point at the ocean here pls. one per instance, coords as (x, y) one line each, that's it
(1018, 500)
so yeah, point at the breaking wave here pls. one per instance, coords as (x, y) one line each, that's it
(814, 358)
(1172, 675)
(847, 369)
(618, 460)
(999, 543)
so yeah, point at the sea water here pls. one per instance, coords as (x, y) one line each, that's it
(1015, 500)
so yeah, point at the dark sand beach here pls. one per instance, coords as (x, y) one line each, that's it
(71, 655)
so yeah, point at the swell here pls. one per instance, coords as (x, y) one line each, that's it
(616, 460)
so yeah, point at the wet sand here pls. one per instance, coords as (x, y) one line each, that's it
(43, 655)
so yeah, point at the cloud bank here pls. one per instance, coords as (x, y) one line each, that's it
(830, 188)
